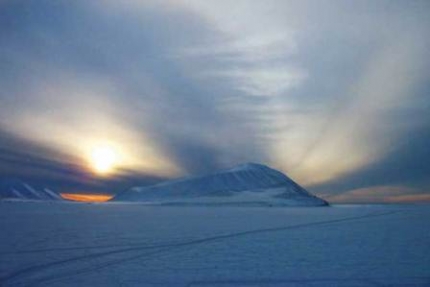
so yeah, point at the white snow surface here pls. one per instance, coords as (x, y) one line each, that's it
(247, 184)
(123, 244)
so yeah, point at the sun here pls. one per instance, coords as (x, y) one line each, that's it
(103, 159)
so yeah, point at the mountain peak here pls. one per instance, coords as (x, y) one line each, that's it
(249, 183)
(17, 189)
(249, 165)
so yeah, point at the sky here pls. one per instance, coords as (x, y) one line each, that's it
(333, 93)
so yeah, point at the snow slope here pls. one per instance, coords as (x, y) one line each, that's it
(15, 189)
(60, 244)
(247, 184)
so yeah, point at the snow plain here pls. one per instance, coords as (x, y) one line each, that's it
(123, 244)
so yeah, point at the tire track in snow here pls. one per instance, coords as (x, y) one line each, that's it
(14, 278)
(59, 249)
(95, 267)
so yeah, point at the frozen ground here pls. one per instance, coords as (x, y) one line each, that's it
(115, 244)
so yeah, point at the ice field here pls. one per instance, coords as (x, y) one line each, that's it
(126, 244)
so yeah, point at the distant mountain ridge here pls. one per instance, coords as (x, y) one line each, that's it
(16, 189)
(250, 183)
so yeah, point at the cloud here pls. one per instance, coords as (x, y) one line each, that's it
(22, 159)
(386, 194)
(323, 91)
(404, 164)
(360, 130)
(260, 81)
(74, 115)
(345, 94)
(252, 59)
(129, 93)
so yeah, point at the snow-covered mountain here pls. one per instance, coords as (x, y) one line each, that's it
(16, 189)
(246, 184)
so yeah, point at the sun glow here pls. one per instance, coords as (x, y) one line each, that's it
(103, 159)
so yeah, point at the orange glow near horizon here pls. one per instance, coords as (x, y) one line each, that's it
(86, 197)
